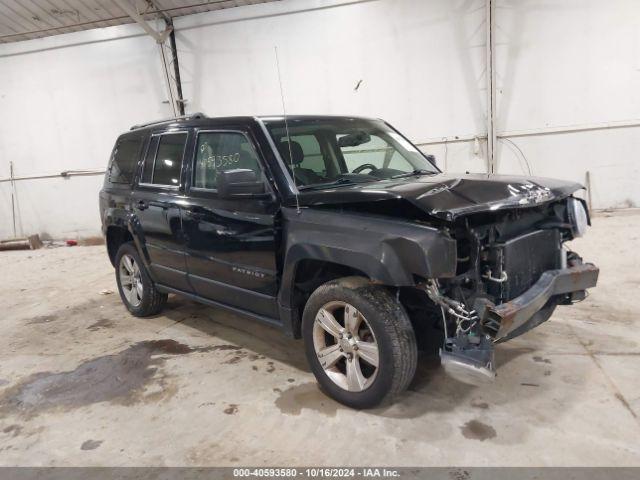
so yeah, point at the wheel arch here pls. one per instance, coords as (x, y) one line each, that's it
(115, 236)
(120, 226)
(307, 275)
(309, 266)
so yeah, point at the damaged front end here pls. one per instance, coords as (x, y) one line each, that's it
(513, 269)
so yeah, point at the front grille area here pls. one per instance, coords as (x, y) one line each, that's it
(524, 259)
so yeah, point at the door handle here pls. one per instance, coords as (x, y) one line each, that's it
(142, 205)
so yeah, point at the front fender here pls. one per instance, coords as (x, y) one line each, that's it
(391, 252)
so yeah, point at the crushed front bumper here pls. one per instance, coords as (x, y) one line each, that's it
(536, 305)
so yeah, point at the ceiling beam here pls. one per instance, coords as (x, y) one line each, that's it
(131, 10)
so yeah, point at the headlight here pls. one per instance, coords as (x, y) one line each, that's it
(577, 216)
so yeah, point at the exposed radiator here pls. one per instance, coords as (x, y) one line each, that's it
(518, 263)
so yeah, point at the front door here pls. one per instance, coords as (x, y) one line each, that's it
(230, 250)
(155, 203)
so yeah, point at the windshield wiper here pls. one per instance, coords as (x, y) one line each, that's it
(417, 171)
(339, 181)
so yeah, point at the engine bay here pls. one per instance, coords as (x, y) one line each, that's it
(501, 255)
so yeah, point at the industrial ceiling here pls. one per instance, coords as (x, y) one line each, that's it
(28, 19)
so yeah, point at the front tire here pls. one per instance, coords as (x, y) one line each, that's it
(359, 342)
(137, 290)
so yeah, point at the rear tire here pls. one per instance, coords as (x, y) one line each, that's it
(349, 326)
(137, 290)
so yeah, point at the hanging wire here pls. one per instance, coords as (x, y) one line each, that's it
(519, 150)
(168, 78)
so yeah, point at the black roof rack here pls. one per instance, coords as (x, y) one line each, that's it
(191, 116)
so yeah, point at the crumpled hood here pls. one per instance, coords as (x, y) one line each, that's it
(450, 196)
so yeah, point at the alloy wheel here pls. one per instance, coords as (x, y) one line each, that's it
(131, 280)
(346, 346)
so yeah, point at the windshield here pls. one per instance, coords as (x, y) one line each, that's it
(334, 151)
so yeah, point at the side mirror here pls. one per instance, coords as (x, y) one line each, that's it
(239, 182)
(432, 159)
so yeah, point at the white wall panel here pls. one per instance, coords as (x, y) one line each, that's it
(571, 62)
(566, 62)
(420, 62)
(64, 99)
(53, 207)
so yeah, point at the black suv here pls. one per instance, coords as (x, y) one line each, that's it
(340, 231)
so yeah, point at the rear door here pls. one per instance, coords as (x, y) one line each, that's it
(230, 243)
(156, 203)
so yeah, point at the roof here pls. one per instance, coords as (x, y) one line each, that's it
(191, 119)
(22, 20)
(197, 118)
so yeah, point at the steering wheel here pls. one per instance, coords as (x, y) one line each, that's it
(365, 166)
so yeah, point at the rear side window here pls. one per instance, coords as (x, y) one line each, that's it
(124, 160)
(163, 163)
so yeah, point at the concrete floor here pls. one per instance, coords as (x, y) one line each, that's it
(84, 383)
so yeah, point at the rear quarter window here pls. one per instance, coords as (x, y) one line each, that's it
(124, 160)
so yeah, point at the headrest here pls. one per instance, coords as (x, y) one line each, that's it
(296, 151)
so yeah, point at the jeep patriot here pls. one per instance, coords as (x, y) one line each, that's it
(339, 231)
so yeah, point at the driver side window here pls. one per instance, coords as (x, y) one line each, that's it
(220, 151)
